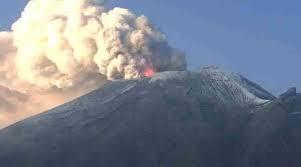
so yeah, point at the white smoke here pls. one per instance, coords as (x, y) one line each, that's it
(75, 45)
(63, 41)
(9, 99)
(7, 55)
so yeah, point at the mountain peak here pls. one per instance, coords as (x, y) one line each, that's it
(213, 83)
(207, 118)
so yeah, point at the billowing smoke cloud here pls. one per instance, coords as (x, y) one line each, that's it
(7, 55)
(12, 103)
(10, 100)
(64, 48)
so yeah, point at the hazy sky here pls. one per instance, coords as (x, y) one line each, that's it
(259, 39)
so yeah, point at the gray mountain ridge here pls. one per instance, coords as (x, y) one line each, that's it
(209, 118)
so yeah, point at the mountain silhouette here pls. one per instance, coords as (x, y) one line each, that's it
(209, 118)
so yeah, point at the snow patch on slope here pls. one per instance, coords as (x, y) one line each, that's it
(230, 86)
(169, 75)
(212, 82)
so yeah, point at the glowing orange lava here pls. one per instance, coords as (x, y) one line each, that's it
(149, 72)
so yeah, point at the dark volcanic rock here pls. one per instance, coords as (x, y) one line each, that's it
(292, 92)
(294, 124)
(174, 119)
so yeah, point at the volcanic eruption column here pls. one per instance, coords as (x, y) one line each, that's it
(58, 47)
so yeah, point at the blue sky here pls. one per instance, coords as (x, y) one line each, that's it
(259, 39)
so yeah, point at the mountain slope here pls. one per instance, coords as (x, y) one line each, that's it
(209, 118)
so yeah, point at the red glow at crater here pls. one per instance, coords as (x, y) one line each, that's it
(149, 72)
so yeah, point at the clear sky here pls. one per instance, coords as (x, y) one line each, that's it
(259, 39)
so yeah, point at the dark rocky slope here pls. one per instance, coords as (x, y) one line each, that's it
(174, 119)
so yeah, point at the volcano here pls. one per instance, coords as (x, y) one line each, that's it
(209, 118)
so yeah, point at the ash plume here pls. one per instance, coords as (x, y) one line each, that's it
(61, 49)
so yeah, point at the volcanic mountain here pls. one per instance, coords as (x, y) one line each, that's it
(209, 118)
